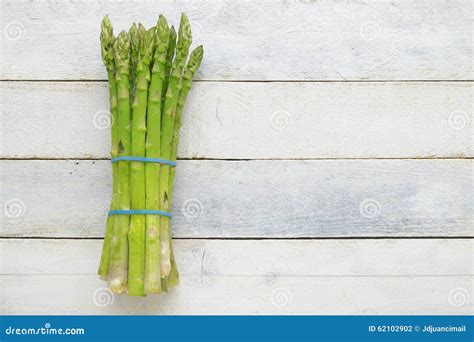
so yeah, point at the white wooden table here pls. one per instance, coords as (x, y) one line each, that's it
(325, 166)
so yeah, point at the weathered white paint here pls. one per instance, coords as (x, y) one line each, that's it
(254, 120)
(292, 198)
(273, 40)
(225, 295)
(247, 40)
(270, 277)
(291, 258)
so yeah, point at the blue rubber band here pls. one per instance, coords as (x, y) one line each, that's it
(140, 212)
(145, 160)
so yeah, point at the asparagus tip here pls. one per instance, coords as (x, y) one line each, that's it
(162, 23)
(195, 59)
(184, 32)
(106, 24)
(107, 41)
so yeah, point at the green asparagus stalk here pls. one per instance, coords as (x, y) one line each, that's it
(136, 233)
(168, 64)
(119, 245)
(152, 170)
(134, 48)
(168, 118)
(193, 64)
(173, 277)
(107, 39)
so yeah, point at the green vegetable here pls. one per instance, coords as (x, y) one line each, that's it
(136, 233)
(119, 245)
(107, 40)
(134, 48)
(193, 64)
(168, 118)
(148, 86)
(152, 246)
(168, 64)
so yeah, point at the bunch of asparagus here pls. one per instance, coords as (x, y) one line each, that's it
(149, 81)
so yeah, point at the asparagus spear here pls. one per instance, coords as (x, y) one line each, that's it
(168, 118)
(169, 63)
(107, 39)
(173, 277)
(152, 170)
(119, 245)
(136, 233)
(193, 64)
(134, 48)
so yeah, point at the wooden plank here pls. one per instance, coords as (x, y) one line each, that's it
(293, 198)
(254, 120)
(246, 295)
(249, 40)
(277, 258)
(385, 277)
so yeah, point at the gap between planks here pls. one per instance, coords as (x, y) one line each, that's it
(255, 238)
(249, 81)
(259, 159)
(256, 276)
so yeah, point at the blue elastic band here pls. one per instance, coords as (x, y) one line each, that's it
(140, 212)
(145, 160)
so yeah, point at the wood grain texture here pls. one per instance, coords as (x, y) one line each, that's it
(271, 277)
(322, 198)
(251, 40)
(220, 295)
(254, 120)
(290, 258)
